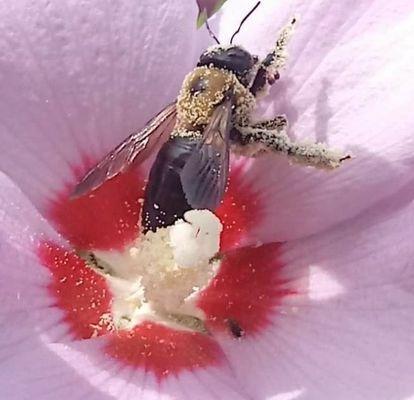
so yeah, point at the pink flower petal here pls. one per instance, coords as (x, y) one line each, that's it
(84, 298)
(108, 218)
(347, 333)
(21, 227)
(164, 351)
(46, 312)
(348, 82)
(79, 292)
(78, 79)
(128, 384)
(81, 369)
(42, 372)
(245, 291)
(239, 211)
(29, 319)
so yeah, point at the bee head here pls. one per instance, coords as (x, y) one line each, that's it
(232, 58)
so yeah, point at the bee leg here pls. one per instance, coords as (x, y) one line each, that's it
(264, 140)
(278, 123)
(268, 71)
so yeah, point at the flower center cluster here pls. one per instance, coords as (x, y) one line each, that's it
(160, 276)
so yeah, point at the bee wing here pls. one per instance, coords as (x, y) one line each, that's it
(130, 151)
(204, 176)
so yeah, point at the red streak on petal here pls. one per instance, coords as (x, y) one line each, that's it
(80, 292)
(246, 289)
(108, 218)
(164, 351)
(239, 211)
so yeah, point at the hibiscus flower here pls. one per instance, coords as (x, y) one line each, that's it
(314, 297)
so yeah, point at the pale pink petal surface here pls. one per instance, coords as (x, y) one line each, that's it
(347, 333)
(77, 78)
(72, 89)
(28, 318)
(39, 355)
(348, 82)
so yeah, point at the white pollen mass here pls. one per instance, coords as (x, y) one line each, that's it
(196, 239)
(161, 275)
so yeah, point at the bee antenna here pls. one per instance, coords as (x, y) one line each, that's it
(244, 20)
(211, 33)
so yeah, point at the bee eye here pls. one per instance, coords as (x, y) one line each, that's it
(199, 86)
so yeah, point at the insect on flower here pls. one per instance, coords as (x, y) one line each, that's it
(235, 329)
(210, 117)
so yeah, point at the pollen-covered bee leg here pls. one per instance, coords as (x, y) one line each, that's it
(278, 123)
(256, 141)
(268, 71)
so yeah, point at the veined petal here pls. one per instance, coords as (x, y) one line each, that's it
(114, 379)
(240, 211)
(43, 372)
(347, 332)
(85, 300)
(158, 355)
(150, 360)
(108, 218)
(348, 82)
(249, 285)
(21, 227)
(28, 318)
(78, 78)
(52, 341)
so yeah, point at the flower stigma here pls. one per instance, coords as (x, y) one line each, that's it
(160, 275)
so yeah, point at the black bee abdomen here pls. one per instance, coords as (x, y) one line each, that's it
(164, 200)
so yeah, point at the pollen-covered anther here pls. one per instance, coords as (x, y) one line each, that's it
(159, 277)
(196, 239)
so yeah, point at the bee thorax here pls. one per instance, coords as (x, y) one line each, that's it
(203, 89)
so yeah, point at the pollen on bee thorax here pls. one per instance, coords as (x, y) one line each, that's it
(202, 90)
(160, 275)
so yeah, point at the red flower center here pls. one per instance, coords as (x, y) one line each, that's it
(238, 301)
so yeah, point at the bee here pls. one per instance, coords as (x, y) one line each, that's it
(210, 117)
